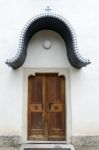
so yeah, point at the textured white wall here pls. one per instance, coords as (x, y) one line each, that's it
(84, 17)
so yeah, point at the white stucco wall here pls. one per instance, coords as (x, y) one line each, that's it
(39, 57)
(84, 17)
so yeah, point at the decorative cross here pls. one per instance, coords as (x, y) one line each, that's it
(48, 9)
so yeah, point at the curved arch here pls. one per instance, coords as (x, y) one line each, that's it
(50, 22)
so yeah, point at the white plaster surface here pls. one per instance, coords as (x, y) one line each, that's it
(39, 57)
(84, 17)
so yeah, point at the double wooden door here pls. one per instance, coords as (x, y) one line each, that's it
(46, 107)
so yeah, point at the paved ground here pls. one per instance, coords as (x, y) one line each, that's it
(77, 148)
(9, 148)
(87, 148)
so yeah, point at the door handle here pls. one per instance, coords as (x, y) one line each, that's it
(50, 104)
(54, 107)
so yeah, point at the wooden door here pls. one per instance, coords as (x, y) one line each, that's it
(46, 107)
(56, 107)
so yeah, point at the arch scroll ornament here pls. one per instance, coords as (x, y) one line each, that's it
(48, 21)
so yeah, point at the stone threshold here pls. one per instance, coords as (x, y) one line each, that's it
(47, 146)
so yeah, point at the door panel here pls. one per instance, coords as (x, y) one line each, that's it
(36, 113)
(56, 107)
(37, 90)
(54, 88)
(46, 108)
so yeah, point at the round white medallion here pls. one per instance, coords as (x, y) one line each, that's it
(47, 44)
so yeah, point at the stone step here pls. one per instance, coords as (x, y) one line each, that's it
(47, 147)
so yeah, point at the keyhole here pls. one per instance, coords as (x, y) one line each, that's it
(35, 107)
(55, 107)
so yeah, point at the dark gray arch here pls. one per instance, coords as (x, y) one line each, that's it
(50, 22)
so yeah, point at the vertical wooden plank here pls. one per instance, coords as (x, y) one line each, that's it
(44, 107)
(30, 79)
(64, 118)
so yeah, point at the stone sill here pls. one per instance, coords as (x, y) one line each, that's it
(85, 140)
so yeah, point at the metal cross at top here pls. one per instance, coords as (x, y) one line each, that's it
(48, 9)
